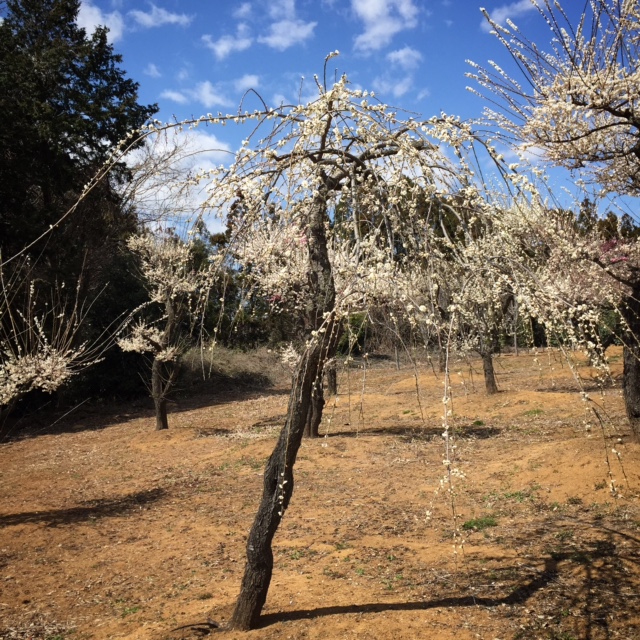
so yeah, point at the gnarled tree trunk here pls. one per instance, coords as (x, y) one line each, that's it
(278, 476)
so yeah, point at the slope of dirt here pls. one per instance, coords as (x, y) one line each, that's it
(124, 532)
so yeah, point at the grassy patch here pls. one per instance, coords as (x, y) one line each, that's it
(478, 524)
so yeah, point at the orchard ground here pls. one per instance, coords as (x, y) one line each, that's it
(109, 529)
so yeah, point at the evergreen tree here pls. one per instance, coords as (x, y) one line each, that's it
(65, 102)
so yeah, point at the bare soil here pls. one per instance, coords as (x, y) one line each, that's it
(109, 529)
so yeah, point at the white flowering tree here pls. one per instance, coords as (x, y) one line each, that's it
(324, 203)
(577, 105)
(40, 342)
(179, 287)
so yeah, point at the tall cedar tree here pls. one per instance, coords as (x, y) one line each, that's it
(65, 101)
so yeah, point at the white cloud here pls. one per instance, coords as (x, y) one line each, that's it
(90, 17)
(174, 96)
(248, 81)
(152, 71)
(285, 33)
(507, 12)
(228, 44)
(158, 16)
(383, 19)
(243, 11)
(282, 9)
(183, 74)
(207, 94)
(395, 87)
(407, 58)
(278, 99)
(164, 194)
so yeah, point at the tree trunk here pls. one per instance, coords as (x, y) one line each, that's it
(316, 406)
(489, 373)
(631, 360)
(158, 395)
(442, 359)
(332, 379)
(278, 475)
(277, 491)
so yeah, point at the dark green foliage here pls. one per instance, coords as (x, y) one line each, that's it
(64, 102)
(354, 335)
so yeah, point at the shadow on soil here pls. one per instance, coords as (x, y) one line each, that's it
(96, 416)
(418, 432)
(580, 588)
(93, 510)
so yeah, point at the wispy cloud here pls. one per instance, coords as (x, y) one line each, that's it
(174, 96)
(228, 44)
(393, 82)
(209, 96)
(383, 19)
(90, 17)
(158, 17)
(286, 29)
(508, 12)
(248, 81)
(282, 9)
(285, 33)
(152, 71)
(243, 11)
(206, 93)
(407, 58)
(397, 87)
(283, 29)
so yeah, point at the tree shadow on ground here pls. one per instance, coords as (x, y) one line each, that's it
(418, 432)
(578, 588)
(91, 510)
(97, 416)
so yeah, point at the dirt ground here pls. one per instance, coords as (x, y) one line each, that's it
(109, 529)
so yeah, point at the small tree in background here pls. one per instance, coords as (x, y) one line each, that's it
(180, 288)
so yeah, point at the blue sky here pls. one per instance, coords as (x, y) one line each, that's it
(194, 57)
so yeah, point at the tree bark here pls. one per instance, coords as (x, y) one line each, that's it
(442, 359)
(316, 406)
(489, 373)
(277, 491)
(332, 379)
(278, 475)
(158, 395)
(631, 360)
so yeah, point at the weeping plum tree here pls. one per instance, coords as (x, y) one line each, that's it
(578, 105)
(323, 203)
(178, 286)
(42, 346)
